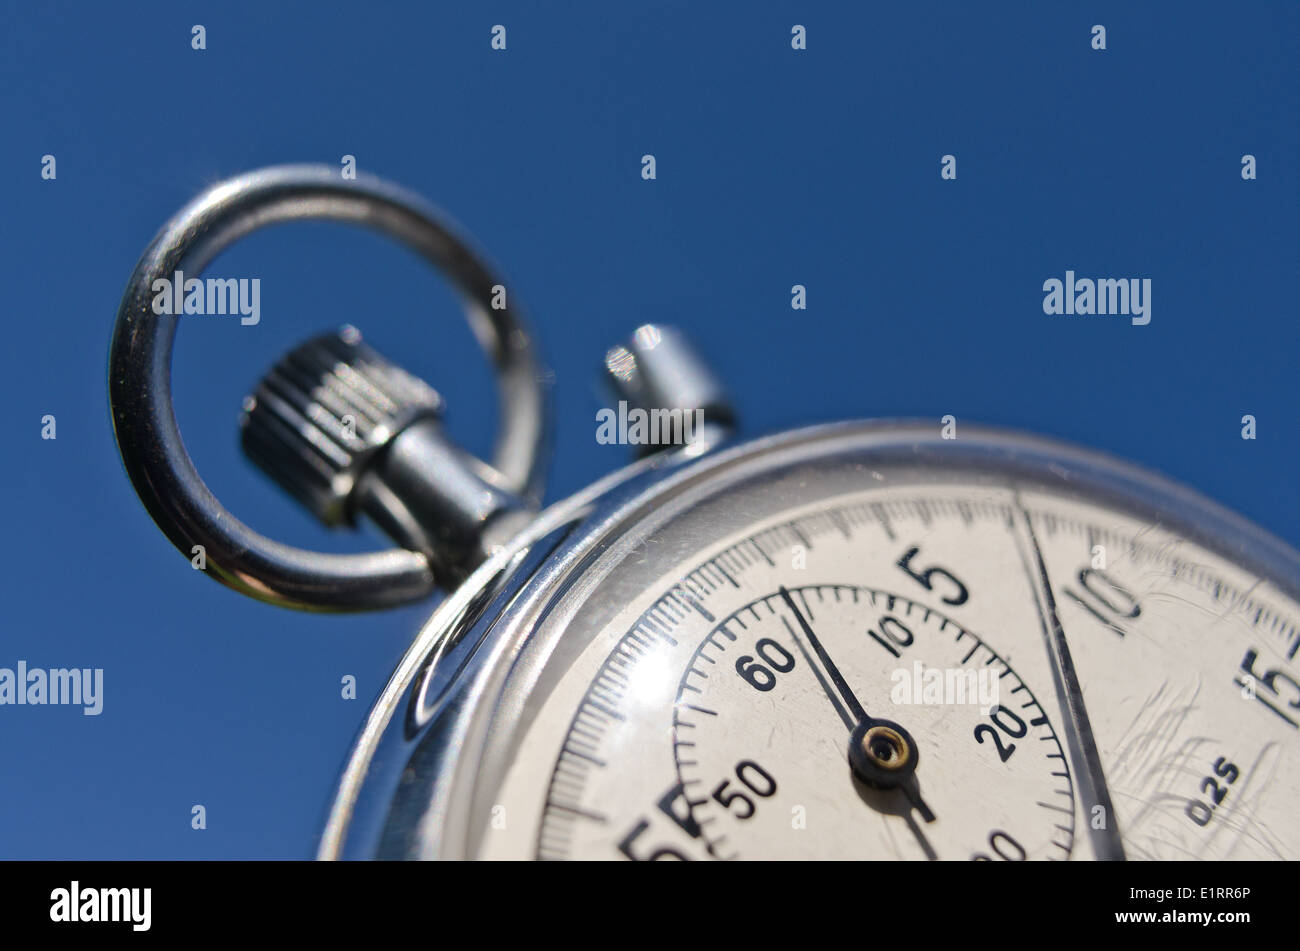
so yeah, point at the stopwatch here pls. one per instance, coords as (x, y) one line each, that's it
(865, 640)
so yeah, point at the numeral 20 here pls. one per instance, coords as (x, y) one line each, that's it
(1009, 723)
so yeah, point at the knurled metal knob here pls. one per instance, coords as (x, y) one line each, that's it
(318, 418)
(323, 422)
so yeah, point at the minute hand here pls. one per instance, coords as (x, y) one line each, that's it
(855, 709)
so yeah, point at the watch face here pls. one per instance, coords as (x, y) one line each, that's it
(840, 649)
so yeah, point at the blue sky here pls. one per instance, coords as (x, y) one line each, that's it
(775, 167)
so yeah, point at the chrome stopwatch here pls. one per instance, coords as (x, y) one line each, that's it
(862, 640)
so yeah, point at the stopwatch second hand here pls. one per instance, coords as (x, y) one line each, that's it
(1106, 840)
(880, 751)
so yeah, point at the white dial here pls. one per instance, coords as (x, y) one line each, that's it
(1070, 682)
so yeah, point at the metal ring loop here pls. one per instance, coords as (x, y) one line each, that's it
(144, 419)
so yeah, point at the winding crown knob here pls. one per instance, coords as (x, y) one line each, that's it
(320, 415)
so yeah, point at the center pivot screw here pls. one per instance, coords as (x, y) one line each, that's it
(882, 753)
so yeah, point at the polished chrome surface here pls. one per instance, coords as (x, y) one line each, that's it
(437, 671)
(145, 423)
(347, 431)
(321, 415)
(659, 369)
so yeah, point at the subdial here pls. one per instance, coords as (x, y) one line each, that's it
(837, 721)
